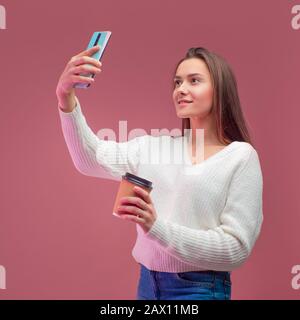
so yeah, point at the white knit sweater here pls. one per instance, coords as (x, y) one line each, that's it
(209, 215)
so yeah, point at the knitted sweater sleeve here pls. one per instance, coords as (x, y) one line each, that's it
(227, 246)
(93, 156)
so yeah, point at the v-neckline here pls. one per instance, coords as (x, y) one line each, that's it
(210, 158)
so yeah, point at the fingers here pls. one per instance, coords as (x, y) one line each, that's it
(76, 61)
(81, 79)
(77, 65)
(132, 209)
(84, 68)
(131, 217)
(84, 58)
(136, 201)
(143, 193)
(89, 51)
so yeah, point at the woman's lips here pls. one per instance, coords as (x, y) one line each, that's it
(183, 103)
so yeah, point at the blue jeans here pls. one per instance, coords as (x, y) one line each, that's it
(192, 285)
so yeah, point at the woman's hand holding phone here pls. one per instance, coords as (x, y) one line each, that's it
(78, 64)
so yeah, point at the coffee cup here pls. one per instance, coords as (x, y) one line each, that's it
(128, 182)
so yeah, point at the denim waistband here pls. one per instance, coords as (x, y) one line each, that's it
(224, 275)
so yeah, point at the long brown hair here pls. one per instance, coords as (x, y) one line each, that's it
(230, 121)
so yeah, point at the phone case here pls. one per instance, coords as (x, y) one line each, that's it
(98, 38)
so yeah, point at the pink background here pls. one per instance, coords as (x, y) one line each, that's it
(58, 238)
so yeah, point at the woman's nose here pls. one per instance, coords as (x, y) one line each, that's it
(181, 89)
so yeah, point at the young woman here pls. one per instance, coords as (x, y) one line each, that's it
(203, 217)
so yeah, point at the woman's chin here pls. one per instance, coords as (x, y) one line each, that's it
(182, 115)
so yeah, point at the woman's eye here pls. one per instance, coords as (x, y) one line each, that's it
(176, 82)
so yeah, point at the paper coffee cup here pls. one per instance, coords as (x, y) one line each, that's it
(128, 182)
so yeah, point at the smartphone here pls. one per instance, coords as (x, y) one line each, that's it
(98, 38)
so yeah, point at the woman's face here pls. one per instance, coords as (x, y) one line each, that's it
(192, 82)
